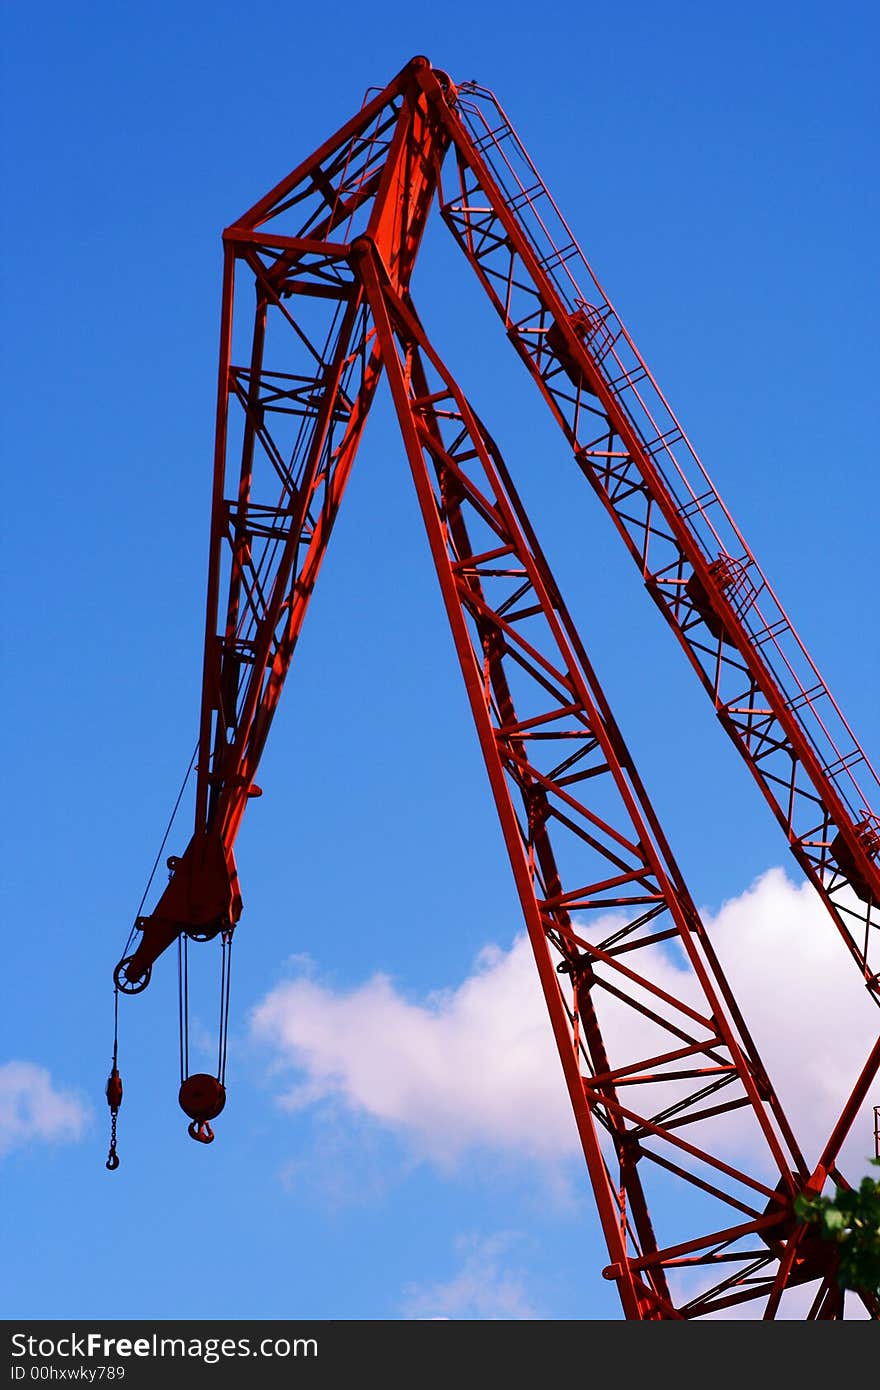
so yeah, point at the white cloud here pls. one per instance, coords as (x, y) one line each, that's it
(794, 1306)
(472, 1066)
(804, 1002)
(484, 1288)
(33, 1110)
(476, 1066)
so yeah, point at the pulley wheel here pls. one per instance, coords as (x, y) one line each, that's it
(202, 1097)
(124, 984)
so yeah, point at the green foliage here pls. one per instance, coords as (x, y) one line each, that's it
(851, 1219)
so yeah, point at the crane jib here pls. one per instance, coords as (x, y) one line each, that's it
(327, 259)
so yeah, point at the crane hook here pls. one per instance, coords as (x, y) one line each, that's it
(202, 1097)
(113, 1093)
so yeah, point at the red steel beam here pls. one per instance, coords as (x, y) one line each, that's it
(461, 484)
(267, 546)
(765, 688)
(331, 250)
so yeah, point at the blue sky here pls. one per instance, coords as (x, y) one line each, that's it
(719, 169)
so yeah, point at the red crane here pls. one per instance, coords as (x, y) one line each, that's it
(327, 257)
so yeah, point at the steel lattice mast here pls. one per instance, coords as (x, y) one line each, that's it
(698, 568)
(330, 253)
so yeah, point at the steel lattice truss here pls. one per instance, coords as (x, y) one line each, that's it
(656, 1082)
